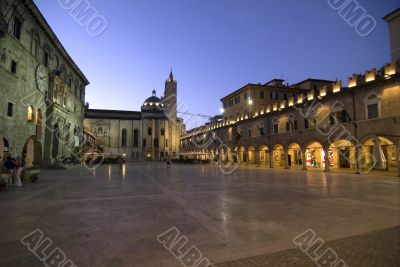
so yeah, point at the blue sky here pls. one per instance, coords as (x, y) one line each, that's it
(214, 46)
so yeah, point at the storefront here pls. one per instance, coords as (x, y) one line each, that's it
(294, 156)
(315, 156)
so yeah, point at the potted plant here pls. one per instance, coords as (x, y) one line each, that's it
(3, 185)
(29, 172)
(33, 178)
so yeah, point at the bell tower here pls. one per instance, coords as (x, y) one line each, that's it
(170, 97)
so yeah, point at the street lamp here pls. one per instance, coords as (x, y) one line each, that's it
(221, 110)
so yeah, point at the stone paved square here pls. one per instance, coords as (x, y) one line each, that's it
(104, 218)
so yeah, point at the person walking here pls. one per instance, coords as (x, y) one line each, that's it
(17, 172)
(121, 165)
(168, 163)
(9, 167)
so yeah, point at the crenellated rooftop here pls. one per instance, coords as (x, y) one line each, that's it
(388, 71)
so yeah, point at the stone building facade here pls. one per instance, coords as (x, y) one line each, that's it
(150, 134)
(353, 128)
(256, 99)
(393, 21)
(327, 126)
(42, 90)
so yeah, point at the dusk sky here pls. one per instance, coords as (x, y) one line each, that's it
(214, 46)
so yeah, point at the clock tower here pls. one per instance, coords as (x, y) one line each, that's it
(170, 97)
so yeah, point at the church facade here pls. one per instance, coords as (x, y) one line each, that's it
(150, 134)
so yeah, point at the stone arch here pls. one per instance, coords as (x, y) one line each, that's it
(314, 154)
(242, 154)
(278, 155)
(4, 148)
(367, 137)
(32, 153)
(251, 154)
(379, 152)
(342, 154)
(263, 151)
(294, 155)
(310, 141)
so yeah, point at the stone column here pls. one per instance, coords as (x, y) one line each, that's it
(303, 159)
(1, 148)
(257, 156)
(286, 153)
(326, 158)
(398, 158)
(271, 159)
(358, 157)
(48, 142)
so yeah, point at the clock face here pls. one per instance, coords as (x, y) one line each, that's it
(42, 78)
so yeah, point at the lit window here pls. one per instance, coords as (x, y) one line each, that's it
(30, 115)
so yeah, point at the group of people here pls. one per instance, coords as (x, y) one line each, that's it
(12, 167)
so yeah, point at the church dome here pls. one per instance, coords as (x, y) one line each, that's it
(152, 99)
(153, 102)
